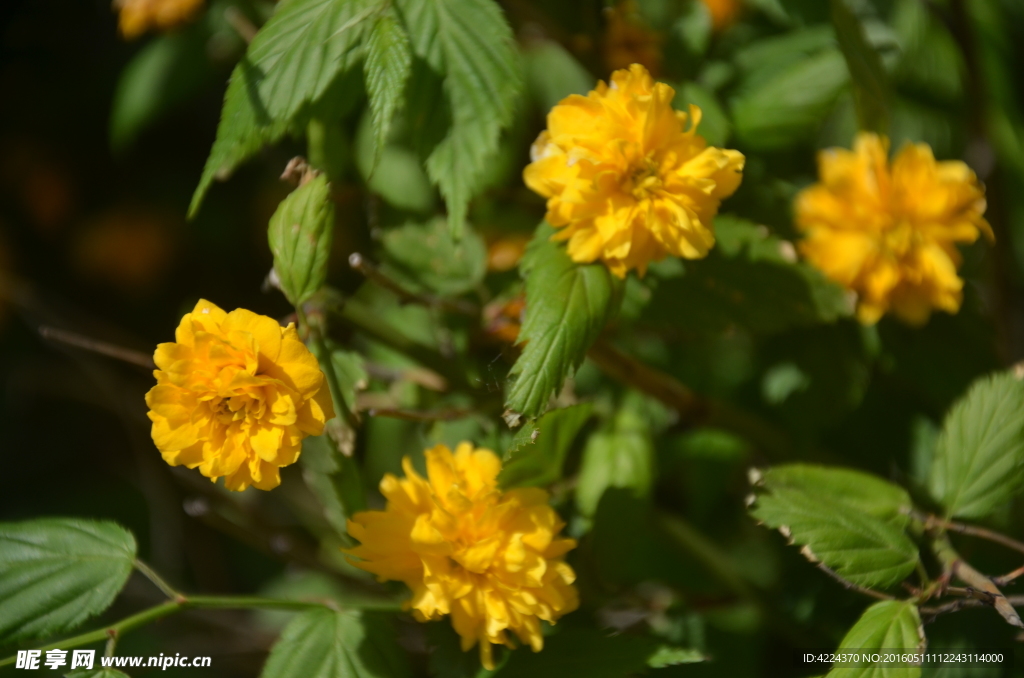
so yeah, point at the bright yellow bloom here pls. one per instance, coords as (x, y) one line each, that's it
(139, 16)
(889, 232)
(625, 182)
(236, 393)
(490, 559)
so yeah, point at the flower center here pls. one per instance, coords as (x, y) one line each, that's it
(900, 238)
(643, 179)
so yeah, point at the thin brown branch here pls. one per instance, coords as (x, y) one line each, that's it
(932, 522)
(238, 21)
(1008, 577)
(933, 611)
(955, 566)
(374, 274)
(692, 408)
(96, 346)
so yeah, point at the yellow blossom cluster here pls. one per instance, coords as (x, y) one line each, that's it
(627, 182)
(138, 16)
(490, 559)
(236, 393)
(889, 231)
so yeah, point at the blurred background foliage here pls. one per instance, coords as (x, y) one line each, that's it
(102, 143)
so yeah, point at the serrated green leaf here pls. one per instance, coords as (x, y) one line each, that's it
(751, 279)
(580, 651)
(290, 64)
(540, 462)
(432, 259)
(300, 235)
(552, 73)
(979, 458)
(856, 490)
(387, 68)
(620, 457)
(567, 306)
(789, 106)
(57, 572)
(336, 644)
(890, 624)
(858, 536)
(870, 84)
(470, 44)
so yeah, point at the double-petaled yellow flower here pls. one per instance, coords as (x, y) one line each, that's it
(490, 559)
(626, 182)
(236, 393)
(138, 16)
(889, 232)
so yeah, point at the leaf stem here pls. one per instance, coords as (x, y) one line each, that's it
(358, 262)
(691, 407)
(159, 581)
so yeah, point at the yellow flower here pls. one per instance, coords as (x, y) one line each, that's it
(490, 559)
(236, 393)
(625, 182)
(139, 16)
(889, 232)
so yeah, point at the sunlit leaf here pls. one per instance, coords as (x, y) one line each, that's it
(57, 572)
(567, 306)
(979, 457)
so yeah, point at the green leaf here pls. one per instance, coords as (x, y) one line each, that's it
(667, 655)
(870, 85)
(395, 173)
(694, 27)
(289, 65)
(540, 462)
(325, 477)
(96, 673)
(387, 68)
(336, 644)
(429, 256)
(847, 520)
(470, 44)
(57, 572)
(567, 306)
(979, 458)
(855, 490)
(300, 235)
(621, 457)
(350, 371)
(552, 73)
(788, 107)
(166, 72)
(890, 625)
(751, 279)
(576, 651)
